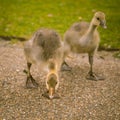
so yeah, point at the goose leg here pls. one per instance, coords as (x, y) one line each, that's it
(65, 67)
(91, 75)
(30, 82)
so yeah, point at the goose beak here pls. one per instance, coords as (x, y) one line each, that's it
(105, 27)
(51, 93)
(103, 24)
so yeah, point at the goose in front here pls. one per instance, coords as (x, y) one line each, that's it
(45, 50)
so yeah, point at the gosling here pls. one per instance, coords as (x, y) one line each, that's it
(83, 37)
(45, 50)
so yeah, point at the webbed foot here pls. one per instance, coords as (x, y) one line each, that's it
(31, 83)
(65, 67)
(93, 76)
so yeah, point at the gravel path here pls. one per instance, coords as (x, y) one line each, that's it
(81, 99)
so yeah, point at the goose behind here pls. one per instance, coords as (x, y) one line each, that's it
(83, 37)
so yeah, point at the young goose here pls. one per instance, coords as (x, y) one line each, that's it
(83, 37)
(45, 50)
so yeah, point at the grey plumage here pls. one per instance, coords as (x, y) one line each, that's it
(83, 37)
(45, 50)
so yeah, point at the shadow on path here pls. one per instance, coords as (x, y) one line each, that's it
(8, 38)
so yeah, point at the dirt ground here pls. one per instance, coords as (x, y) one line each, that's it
(81, 99)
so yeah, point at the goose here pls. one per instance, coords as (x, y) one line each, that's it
(83, 37)
(45, 50)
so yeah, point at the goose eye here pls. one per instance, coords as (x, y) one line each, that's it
(98, 18)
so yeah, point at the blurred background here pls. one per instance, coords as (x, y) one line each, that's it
(21, 18)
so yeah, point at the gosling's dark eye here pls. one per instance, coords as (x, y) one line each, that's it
(98, 18)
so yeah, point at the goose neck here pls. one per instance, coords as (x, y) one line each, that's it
(91, 28)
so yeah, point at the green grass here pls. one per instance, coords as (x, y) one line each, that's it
(23, 17)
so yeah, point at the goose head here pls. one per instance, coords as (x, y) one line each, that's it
(52, 85)
(99, 19)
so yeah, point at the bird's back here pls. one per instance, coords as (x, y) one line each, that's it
(45, 45)
(80, 27)
(48, 41)
(76, 31)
